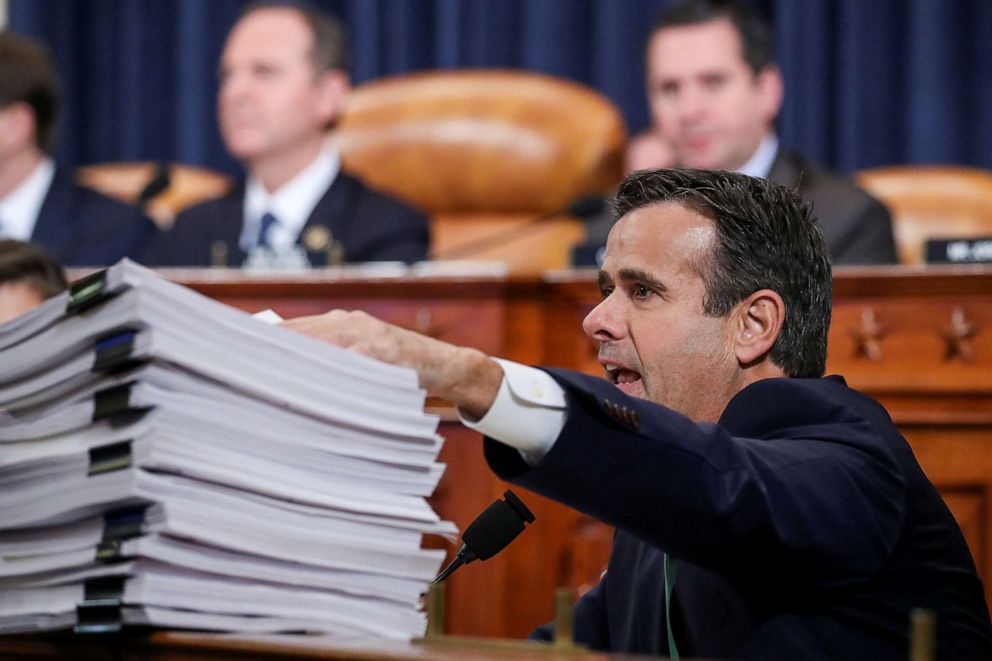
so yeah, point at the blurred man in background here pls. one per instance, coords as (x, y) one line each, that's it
(715, 88)
(283, 82)
(39, 201)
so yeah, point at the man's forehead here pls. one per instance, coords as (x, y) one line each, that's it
(664, 220)
(277, 30)
(673, 48)
(666, 233)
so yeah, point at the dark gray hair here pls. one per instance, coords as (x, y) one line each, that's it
(756, 33)
(330, 41)
(27, 75)
(766, 238)
(27, 263)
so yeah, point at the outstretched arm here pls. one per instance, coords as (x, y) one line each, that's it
(466, 377)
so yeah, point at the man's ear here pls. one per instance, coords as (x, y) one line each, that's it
(759, 322)
(19, 125)
(333, 86)
(772, 88)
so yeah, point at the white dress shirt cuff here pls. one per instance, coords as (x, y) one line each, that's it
(528, 414)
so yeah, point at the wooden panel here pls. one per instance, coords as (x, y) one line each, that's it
(464, 310)
(187, 646)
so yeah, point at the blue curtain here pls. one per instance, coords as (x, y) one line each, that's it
(867, 83)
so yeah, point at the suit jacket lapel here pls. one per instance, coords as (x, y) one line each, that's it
(332, 213)
(54, 227)
(227, 224)
(787, 170)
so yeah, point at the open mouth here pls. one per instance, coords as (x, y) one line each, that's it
(624, 379)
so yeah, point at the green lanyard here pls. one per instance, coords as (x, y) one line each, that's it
(670, 566)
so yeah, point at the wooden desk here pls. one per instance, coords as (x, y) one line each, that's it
(919, 340)
(180, 646)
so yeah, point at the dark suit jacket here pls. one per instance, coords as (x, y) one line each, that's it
(803, 526)
(369, 225)
(856, 226)
(80, 227)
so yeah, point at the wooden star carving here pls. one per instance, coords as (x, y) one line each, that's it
(957, 337)
(868, 335)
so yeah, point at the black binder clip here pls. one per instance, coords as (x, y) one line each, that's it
(113, 401)
(107, 458)
(113, 351)
(87, 292)
(118, 526)
(100, 609)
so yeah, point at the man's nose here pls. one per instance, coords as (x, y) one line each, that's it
(604, 323)
(233, 86)
(692, 104)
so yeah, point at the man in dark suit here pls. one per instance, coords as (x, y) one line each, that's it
(715, 90)
(283, 82)
(39, 201)
(762, 510)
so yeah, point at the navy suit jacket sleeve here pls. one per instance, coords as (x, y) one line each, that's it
(733, 496)
(81, 227)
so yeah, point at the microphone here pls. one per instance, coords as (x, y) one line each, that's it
(584, 208)
(588, 207)
(158, 183)
(598, 218)
(490, 532)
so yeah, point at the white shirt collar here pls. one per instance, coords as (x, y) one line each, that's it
(19, 209)
(291, 204)
(760, 163)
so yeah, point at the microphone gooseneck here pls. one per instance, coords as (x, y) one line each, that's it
(161, 180)
(583, 208)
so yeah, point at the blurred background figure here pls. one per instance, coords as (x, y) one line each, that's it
(39, 201)
(649, 149)
(28, 276)
(283, 81)
(715, 88)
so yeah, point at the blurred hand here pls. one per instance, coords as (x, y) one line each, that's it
(648, 150)
(467, 378)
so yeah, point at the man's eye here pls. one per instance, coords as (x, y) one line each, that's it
(605, 291)
(668, 89)
(641, 291)
(714, 83)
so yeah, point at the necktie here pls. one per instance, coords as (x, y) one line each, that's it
(268, 220)
(670, 564)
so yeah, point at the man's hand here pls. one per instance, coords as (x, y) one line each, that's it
(467, 378)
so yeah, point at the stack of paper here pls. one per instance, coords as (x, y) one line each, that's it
(168, 461)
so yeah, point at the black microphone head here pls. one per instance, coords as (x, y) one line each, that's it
(588, 207)
(513, 501)
(497, 526)
(158, 183)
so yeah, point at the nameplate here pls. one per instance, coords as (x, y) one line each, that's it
(959, 251)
